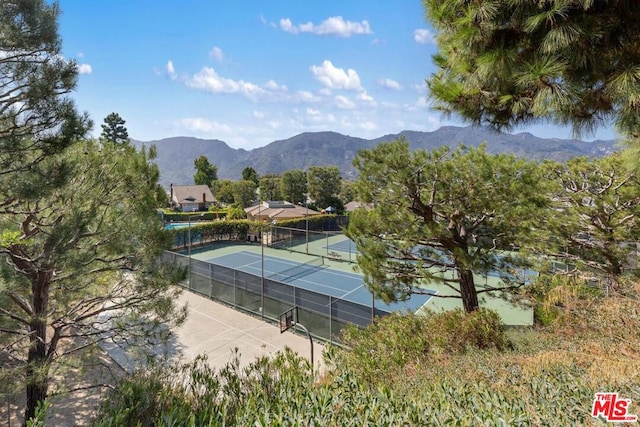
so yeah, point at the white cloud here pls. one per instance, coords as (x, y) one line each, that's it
(273, 85)
(306, 97)
(312, 112)
(336, 78)
(420, 87)
(258, 114)
(335, 25)
(84, 69)
(80, 54)
(198, 124)
(208, 80)
(216, 53)
(364, 96)
(423, 36)
(171, 71)
(344, 102)
(286, 25)
(368, 126)
(389, 84)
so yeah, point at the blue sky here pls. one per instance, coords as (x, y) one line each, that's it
(251, 72)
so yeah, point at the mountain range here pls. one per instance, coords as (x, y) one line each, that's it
(176, 155)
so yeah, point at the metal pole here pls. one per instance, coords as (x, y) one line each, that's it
(261, 261)
(306, 221)
(189, 233)
(310, 340)
(373, 307)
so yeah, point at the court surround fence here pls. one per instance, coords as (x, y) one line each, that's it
(324, 315)
(317, 243)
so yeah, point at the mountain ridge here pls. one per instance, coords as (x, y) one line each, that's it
(176, 155)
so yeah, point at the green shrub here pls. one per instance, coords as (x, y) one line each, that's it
(398, 343)
(212, 231)
(455, 331)
(388, 344)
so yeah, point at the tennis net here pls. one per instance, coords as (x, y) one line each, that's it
(298, 270)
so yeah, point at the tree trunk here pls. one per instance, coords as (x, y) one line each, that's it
(37, 372)
(468, 290)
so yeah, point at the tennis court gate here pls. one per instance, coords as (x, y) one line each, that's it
(325, 316)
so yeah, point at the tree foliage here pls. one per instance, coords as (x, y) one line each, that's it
(324, 184)
(596, 216)
(270, 188)
(250, 174)
(508, 62)
(347, 193)
(37, 118)
(442, 216)
(79, 264)
(113, 129)
(206, 173)
(293, 185)
(242, 193)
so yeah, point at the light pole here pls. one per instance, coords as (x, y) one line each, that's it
(306, 215)
(306, 221)
(189, 238)
(261, 258)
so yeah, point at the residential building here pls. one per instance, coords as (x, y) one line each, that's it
(274, 210)
(191, 198)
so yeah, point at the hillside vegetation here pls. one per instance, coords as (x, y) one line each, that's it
(409, 370)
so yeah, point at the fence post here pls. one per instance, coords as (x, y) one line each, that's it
(235, 288)
(210, 280)
(330, 319)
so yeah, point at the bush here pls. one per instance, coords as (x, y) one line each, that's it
(212, 231)
(455, 331)
(400, 342)
(387, 345)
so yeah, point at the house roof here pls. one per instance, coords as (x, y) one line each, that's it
(191, 194)
(279, 210)
(352, 206)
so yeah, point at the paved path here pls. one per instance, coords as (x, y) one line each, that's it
(216, 330)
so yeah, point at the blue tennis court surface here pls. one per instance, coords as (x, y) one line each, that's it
(316, 278)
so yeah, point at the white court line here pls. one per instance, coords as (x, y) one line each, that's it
(313, 283)
(325, 271)
(291, 263)
(233, 327)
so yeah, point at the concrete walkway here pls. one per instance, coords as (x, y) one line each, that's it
(216, 330)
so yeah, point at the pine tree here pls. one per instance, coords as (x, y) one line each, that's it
(443, 216)
(114, 131)
(37, 118)
(508, 62)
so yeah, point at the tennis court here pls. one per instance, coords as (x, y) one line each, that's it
(328, 296)
(345, 245)
(314, 276)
